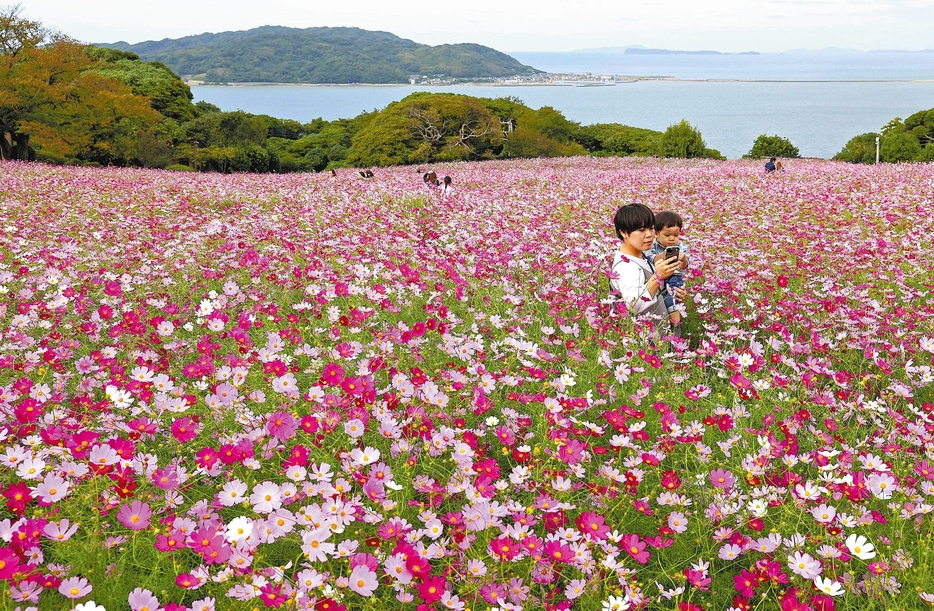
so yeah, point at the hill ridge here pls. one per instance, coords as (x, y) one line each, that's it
(321, 55)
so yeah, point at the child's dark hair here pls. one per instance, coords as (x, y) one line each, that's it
(633, 217)
(666, 219)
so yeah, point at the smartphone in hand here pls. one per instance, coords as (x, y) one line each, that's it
(672, 252)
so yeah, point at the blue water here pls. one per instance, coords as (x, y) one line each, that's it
(818, 101)
(767, 66)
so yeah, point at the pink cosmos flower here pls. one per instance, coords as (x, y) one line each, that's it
(282, 425)
(721, 478)
(635, 548)
(135, 515)
(593, 525)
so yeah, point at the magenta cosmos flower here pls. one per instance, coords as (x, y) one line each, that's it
(135, 516)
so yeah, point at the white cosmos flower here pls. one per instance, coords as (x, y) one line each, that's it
(238, 528)
(828, 586)
(860, 547)
(365, 456)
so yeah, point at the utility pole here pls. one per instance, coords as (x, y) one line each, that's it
(877, 149)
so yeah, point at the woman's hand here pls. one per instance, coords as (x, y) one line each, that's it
(666, 268)
(681, 294)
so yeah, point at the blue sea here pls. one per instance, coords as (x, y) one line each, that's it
(818, 100)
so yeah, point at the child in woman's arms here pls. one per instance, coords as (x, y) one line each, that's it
(668, 227)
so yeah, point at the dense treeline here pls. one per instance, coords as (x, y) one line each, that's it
(899, 141)
(275, 54)
(65, 102)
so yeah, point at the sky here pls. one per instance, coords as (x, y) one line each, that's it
(522, 25)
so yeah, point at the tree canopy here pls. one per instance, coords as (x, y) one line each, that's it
(900, 141)
(684, 140)
(772, 146)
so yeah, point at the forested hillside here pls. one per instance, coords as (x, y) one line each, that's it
(274, 54)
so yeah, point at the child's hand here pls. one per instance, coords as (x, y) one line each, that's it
(682, 260)
(666, 268)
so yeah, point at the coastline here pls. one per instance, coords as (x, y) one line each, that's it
(560, 83)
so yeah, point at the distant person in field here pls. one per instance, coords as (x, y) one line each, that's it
(639, 282)
(778, 166)
(431, 179)
(366, 173)
(668, 228)
(770, 165)
(447, 187)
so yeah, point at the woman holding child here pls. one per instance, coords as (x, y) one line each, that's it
(641, 280)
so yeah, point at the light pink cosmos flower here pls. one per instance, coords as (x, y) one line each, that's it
(60, 531)
(266, 497)
(824, 513)
(363, 580)
(75, 587)
(205, 604)
(677, 522)
(135, 515)
(882, 485)
(730, 551)
(53, 488)
(232, 493)
(143, 600)
(804, 565)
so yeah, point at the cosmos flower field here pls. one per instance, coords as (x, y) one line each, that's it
(315, 392)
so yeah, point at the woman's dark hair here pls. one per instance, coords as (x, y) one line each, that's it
(667, 218)
(633, 217)
(447, 180)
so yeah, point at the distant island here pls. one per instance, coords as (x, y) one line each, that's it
(644, 51)
(276, 54)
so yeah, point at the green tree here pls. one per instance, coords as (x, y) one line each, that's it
(614, 139)
(772, 146)
(899, 147)
(53, 104)
(426, 127)
(921, 124)
(684, 140)
(169, 94)
(859, 149)
(19, 39)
